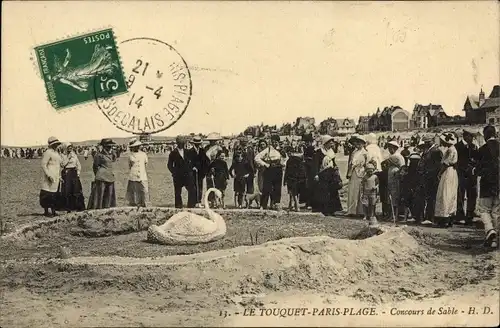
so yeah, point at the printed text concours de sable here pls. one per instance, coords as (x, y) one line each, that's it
(368, 311)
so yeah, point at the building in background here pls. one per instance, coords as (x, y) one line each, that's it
(425, 116)
(482, 110)
(392, 118)
(345, 126)
(363, 125)
(304, 125)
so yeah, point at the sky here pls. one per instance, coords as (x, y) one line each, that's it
(254, 62)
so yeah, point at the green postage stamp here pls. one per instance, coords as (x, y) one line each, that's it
(81, 69)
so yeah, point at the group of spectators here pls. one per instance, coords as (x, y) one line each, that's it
(430, 183)
(426, 182)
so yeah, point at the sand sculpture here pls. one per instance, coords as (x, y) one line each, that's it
(185, 228)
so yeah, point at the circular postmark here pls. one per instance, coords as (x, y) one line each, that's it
(159, 87)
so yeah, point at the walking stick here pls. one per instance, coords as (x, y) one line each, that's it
(197, 185)
(392, 210)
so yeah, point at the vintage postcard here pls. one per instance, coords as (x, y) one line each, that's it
(250, 164)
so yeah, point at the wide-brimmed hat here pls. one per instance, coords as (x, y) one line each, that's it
(196, 140)
(356, 137)
(370, 166)
(213, 136)
(448, 138)
(393, 143)
(53, 141)
(134, 143)
(326, 138)
(107, 142)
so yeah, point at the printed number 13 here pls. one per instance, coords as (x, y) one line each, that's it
(139, 64)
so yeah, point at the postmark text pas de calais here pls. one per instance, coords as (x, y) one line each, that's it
(70, 68)
(159, 88)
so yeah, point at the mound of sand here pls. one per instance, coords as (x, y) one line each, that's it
(300, 262)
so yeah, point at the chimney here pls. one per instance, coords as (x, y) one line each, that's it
(481, 97)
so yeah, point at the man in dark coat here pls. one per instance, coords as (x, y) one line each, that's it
(489, 192)
(180, 165)
(428, 169)
(200, 167)
(467, 181)
(308, 153)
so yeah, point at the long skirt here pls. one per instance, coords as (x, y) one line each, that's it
(72, 190)
(325, 193)
(446, 197)
(137, 193)
(102, 195)
(354, 206)
(48, 199)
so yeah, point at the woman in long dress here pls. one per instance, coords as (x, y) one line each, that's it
(137, 186)
(394, 163)
(71, 185)
(446, 197)
(327, 181)
(51, 165)
(102, 193)
(355, 174)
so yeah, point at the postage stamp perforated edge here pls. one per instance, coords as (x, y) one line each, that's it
(36, 65)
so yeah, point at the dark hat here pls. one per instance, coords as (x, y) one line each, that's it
(489, 131)
(307, 137)
(107, 142)
(275, 137)
(196, 140)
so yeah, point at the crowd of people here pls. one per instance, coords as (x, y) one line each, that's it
(425, 181)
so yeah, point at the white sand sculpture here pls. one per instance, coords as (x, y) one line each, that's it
(185, 228)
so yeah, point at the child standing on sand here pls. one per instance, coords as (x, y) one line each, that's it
(369, 193)
(239, 170)
(295, 176)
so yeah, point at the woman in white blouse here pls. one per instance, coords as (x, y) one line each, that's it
(51, 165)
(137, 187)
(71, 185)
(446, 198)
(270, 161)
(355, 173)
